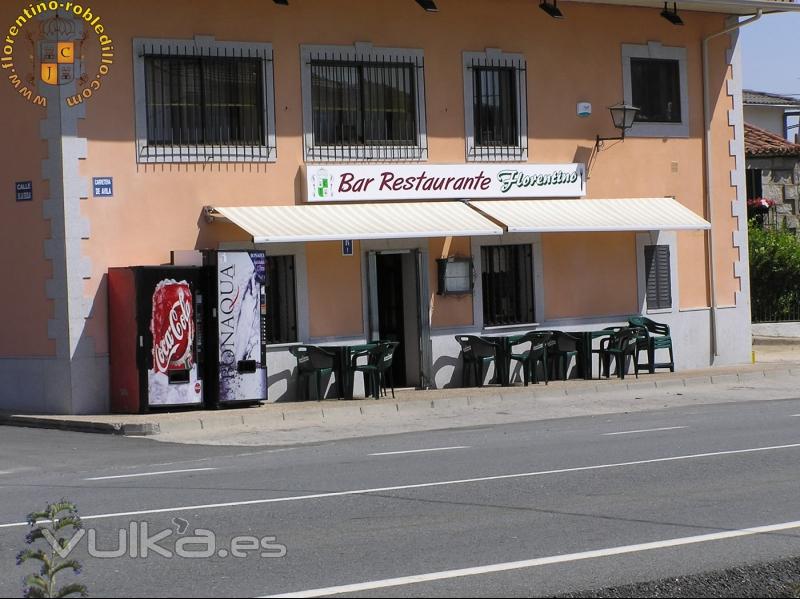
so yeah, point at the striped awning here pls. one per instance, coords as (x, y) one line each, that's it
(638, 214)
(330, 222)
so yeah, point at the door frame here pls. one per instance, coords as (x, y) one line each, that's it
(419, 251)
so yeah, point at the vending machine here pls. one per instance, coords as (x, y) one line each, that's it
(156, 334)
(236, 364)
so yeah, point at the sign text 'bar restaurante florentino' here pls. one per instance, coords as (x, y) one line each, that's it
(330, 183)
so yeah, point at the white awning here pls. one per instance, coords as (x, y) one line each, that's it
(639, 214)
(275, 224)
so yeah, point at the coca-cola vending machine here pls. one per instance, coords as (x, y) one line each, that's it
(236, 366)
(156, 334)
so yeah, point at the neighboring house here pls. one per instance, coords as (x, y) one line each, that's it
(773, 173)
(300, 127)
(772, 112)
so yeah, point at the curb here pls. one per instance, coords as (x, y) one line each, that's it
(327, 414)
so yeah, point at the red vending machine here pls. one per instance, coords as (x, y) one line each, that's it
(155, 337)
(236, 310)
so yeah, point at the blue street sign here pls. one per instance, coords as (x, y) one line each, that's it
(24, 191)
(347, 247)
(103, 187)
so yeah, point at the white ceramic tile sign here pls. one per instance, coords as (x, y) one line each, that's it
(331, 183)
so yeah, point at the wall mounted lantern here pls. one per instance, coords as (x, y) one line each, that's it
(552, 9)
(623, 116)
(672, 15)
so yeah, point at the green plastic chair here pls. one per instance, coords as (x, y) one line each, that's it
(313, 362)
(477, 354)
(620, 345)
(561, 348)
(530, 358)
(378, 368)
(658, 337)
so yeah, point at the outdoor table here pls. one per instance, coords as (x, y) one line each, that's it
(344, 370)
(503, 355)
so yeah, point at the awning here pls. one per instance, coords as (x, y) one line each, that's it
(639, 214)
(325, 222)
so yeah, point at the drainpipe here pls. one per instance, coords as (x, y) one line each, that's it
(709, 195)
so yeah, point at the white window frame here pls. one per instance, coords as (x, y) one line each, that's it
(200, 45)
(655, 50)
(668, 238)
(363, 51)
(494, 57)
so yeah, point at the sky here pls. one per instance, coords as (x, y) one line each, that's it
(771, 54)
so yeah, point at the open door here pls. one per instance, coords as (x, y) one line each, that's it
(398, 308)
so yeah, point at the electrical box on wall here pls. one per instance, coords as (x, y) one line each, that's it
(455, 276)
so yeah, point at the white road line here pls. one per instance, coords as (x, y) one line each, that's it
(443, 483)
(794, 415)
(646, 430)
(540, 561)
(150, 474)
(421, 450)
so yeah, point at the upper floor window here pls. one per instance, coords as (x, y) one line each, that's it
(656, 90)
(363, 103)
(495, 105)
(203, 101)
(655, 80)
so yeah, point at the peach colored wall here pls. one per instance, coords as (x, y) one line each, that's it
(159, 206)
(589, 274)
(448, 310)
(23, 230)
(334, 290)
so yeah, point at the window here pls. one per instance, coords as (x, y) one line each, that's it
(281, 310)
(754, 189)
(655, 81)
(655, 88)
(507, 279)
(362, 103)
(658, 277)
(495, 106)
(202, 101)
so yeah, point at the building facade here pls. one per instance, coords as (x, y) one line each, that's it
(358, 144)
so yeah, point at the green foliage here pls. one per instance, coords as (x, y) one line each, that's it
(774, 273)
(52, 529)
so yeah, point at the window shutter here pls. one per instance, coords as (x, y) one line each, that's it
(658, 275)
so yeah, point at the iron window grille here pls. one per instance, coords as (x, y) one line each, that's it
(364, 105)
(655, 88)
(496, 106)
(507, 284)
(658, 276)
(281, 300)
(205, 103)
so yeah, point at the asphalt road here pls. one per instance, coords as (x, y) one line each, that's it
(534, 508)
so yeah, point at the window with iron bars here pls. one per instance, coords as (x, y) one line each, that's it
(495, 102)
(507, 284)
(363, 104)
(204, 102)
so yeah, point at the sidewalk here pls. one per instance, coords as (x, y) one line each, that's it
(308, 422)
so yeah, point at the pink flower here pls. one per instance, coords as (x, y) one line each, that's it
(760, 203)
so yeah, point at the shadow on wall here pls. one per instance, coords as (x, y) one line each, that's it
(440, 366)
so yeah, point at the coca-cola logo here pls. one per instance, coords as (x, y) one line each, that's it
(172, 326)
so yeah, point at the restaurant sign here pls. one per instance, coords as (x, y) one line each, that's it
(331, 183)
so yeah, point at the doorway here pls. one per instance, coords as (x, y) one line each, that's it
(398, 311)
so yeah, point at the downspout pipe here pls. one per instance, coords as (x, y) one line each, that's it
(708, 177)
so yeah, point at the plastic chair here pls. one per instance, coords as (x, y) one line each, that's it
(530, 358)
(378, 367)
(560, 351)
(313, 362)
(620, 345)
(658, 337)
(477, 354)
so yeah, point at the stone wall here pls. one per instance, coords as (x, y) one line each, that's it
(780, 181)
